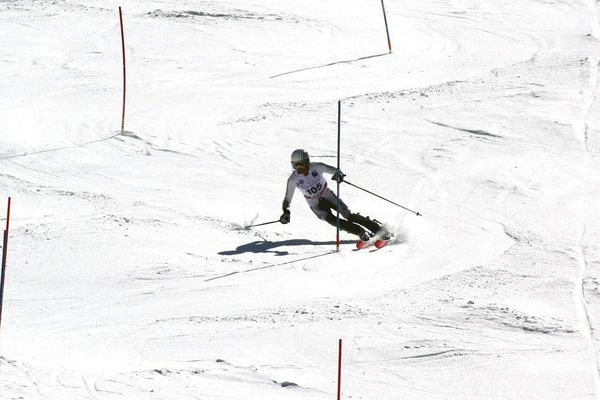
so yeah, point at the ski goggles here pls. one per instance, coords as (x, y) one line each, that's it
(296, 164)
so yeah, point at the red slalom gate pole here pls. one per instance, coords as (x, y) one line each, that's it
(8, 214)
(5, 241)
(124, 70)
(4, 254)
(387, 31)
(339, 387)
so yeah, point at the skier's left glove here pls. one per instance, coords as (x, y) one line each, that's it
(285, 217)
(338, 176)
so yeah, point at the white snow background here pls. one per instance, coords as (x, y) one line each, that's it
(127, 277)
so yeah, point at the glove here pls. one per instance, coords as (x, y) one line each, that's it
(285, 217)
(338, 176)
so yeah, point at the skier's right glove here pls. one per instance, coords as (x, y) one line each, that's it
(285, 217)
(338, 176)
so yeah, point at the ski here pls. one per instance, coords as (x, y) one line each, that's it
(361, 244)
(381, 239)
(381, 243)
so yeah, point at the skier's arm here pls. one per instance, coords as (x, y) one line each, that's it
(323, 168)
(336, 174)
(285, 206)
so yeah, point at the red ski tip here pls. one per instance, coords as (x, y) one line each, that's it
(380, 243)
(361, 244)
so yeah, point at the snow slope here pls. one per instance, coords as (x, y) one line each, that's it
(128, 276)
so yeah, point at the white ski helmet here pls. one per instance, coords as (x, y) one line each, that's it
(299, 157)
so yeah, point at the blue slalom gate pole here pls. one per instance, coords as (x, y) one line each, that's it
(337, 240)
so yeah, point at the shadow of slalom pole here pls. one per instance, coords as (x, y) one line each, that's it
(269, 266)
(329, 65)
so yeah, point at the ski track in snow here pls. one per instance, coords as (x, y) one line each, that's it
(582, 130)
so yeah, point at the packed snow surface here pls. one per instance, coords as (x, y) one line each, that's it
(130, 276)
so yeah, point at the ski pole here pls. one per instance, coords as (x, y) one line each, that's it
(383, 198)
(264, 223)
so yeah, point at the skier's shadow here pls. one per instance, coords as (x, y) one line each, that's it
(330, 64)
(266, 246)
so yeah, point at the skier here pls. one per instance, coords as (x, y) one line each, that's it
(308, 177)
